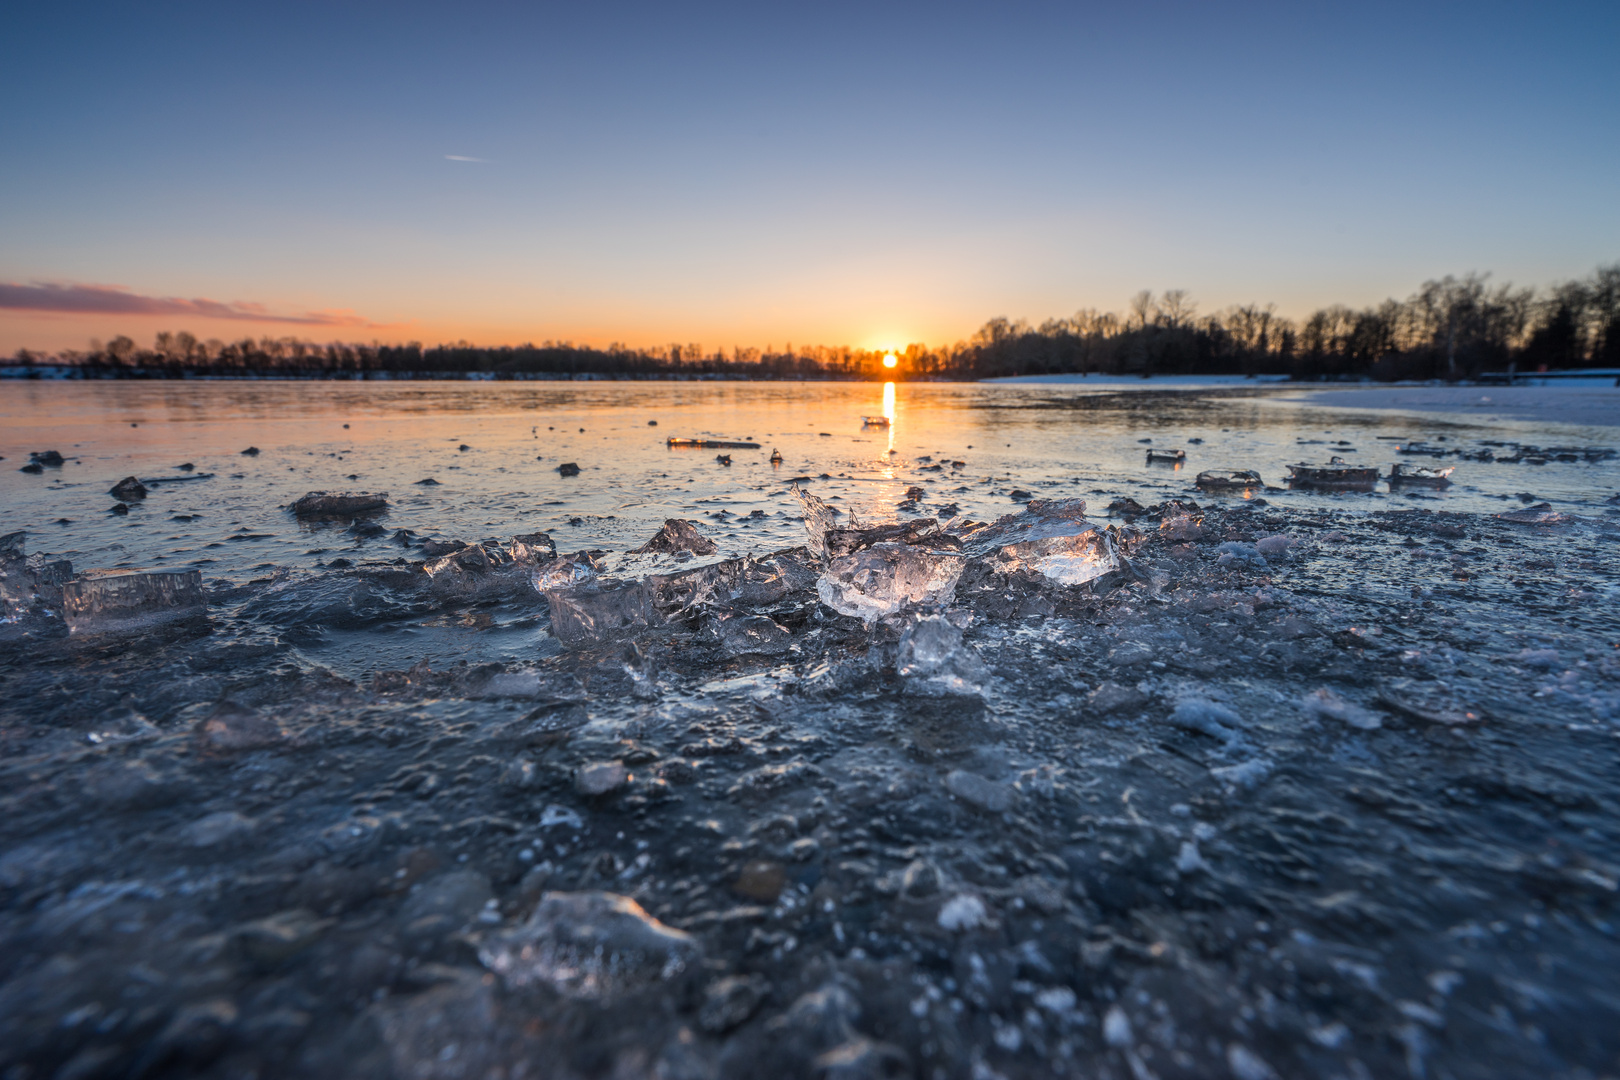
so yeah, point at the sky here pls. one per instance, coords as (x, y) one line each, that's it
(869, 174)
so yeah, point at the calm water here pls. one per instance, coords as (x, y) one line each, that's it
(386, 437)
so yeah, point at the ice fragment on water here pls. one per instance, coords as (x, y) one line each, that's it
(818, 519)
(1325, 702)
(532, 548)
(1196, 714)
(1189, 859)
(114, 601)
(1116, 1027)
(339, 503)
(743, 635)
(934, 660)
(128, 488)
(589, 945)
(1062, 560)
(975, 790)
(1247, 1065)
(564, 572)
(554, 815)
(1248, 774)
(962, 912)
(1273, 546)
(888, 578)
(587, 616)
(1234, 551)
(677, 534)
(600, 777)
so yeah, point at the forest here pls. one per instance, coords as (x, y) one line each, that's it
(1451, 328)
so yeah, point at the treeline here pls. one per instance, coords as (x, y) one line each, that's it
(1453, 328)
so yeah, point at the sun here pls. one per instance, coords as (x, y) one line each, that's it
(890, 360)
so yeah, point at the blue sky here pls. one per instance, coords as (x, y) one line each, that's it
(753, 174)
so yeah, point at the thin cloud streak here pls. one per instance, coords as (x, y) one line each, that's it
(459, 157)
(112, 300)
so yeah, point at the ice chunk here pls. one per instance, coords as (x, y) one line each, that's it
(1273, 547)
(532, 548)
(128, 488)
(16, 585)
(934, 660)
(1234, 551)
(975, 790)
(1041, 519)
(472, 559)
(590, 615)
(1181, 528)
(1196, 714)
(1228, 480)
(741, 635)
(339, 503)
(600, 777)
(115, 601)
(887, 578)
(747, 581)
(1062, 560)
(1539, 514)
(962, 912)
(818, 519)
(677, 534)
(565, 572)
(1325, 702)
(589, 945)
(1117, 1028)
(1247, 774)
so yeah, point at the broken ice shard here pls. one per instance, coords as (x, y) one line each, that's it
(532, 548)
(1062, 560)
(590, 615)
(1539, 514)
(752, 582)
(339, 503)
(15, 585)
(565, 572)
(744, 635)
(677, 534)
(887, 578)
(128, 488)
(115, 601)
(589, 945)
(935, 661)
(1228, 480)
(1040, 519)
(819, 518)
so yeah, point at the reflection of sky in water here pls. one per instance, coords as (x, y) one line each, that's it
(1050, 440)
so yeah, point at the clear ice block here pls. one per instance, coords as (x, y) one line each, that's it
(589, 945)
(887, 578)
(116, 601)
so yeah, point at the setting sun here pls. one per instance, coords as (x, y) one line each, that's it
(890, 360)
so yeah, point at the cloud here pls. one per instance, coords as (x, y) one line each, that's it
(114, 300)
(459, 157)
